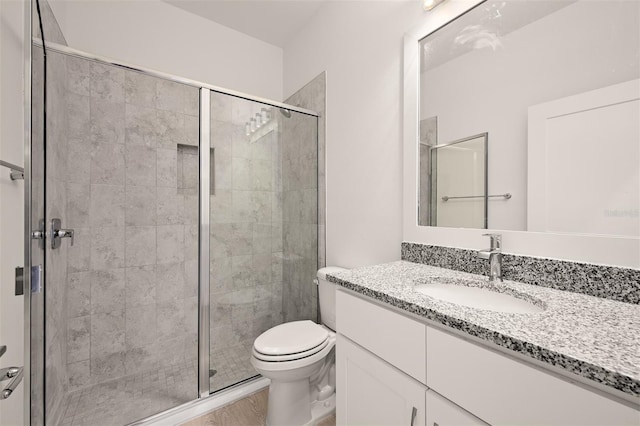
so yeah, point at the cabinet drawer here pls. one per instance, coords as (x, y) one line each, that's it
(501, 390)
(393, 337)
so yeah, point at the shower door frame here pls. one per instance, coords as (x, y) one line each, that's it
(206, 90)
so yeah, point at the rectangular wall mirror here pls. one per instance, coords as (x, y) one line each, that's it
(555, 85)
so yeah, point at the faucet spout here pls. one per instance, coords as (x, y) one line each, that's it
(494, 255)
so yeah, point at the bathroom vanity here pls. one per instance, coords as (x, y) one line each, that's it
(405, 358)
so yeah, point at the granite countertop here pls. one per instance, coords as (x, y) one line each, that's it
(595, 338)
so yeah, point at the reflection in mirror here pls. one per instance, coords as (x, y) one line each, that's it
(556, 85)
(457, 172)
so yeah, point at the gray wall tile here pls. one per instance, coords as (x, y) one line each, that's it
(170, 243)
(106, 366)
(140, 283)
(191, 242)
(107, 121)
(221, 207)
(190, 278)
(107, 248)
(140, 206)
(107, 291)
(140, 169)
(78, 294)
(170, 319)
(107, 206)
(78, 339)
(78, 76)
(107, 335)
(141, 359)
(79, 158)
(242, 173)
(140, 245)
(170, 282)
(141, 327)
(171, 129)
(107, 164)
(79, 374)
(221, 107)
(80, 253)
(167, 160)
(141, 126)
(171, 207)
(140, 89)
(107, 82)
(78, 202)
(78, 116)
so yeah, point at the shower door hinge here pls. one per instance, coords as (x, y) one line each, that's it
(36, 279)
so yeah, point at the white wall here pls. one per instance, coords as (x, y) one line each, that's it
(359, 44)
(154, 34)
(11, 198)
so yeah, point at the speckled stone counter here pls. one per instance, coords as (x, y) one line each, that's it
(596, 338)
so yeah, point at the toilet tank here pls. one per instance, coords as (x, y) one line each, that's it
(327, 296)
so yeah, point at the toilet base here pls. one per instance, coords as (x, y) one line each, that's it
(322, 409)
(318, 410)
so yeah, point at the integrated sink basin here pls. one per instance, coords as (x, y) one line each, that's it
(480, 298)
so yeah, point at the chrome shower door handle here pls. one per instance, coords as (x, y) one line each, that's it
(57, 233)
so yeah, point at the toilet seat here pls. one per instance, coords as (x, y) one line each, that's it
(316, 358)
(290, 357)
(291, 340)
(292, 345)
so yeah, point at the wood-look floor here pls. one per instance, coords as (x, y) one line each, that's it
(249, 411)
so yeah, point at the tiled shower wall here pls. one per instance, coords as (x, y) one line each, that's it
(246, 234)
(132, 198)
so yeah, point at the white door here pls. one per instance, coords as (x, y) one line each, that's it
(583, 172)
(372, 392)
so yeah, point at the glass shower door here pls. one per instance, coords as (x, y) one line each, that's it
(120, 293)
(263, 228)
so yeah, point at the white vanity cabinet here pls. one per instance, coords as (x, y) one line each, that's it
(389, 364)
(372, 392)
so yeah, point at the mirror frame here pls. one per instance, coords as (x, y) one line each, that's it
(599, 249)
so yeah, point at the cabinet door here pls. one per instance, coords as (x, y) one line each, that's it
(371, 392)
(442, 412)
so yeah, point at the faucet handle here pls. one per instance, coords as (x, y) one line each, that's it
(495, 241)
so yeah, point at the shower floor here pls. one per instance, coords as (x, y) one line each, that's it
(232, 366)
(128, 399)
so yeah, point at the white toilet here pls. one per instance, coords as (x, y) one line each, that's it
(299, 359)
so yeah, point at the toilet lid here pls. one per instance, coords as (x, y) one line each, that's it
(291, 357)
(290, 338)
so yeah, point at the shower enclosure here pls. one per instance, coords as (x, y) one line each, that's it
(171, 222)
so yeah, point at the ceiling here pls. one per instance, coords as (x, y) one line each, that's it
(272, 21)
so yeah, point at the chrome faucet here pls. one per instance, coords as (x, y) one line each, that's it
(494, 254)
